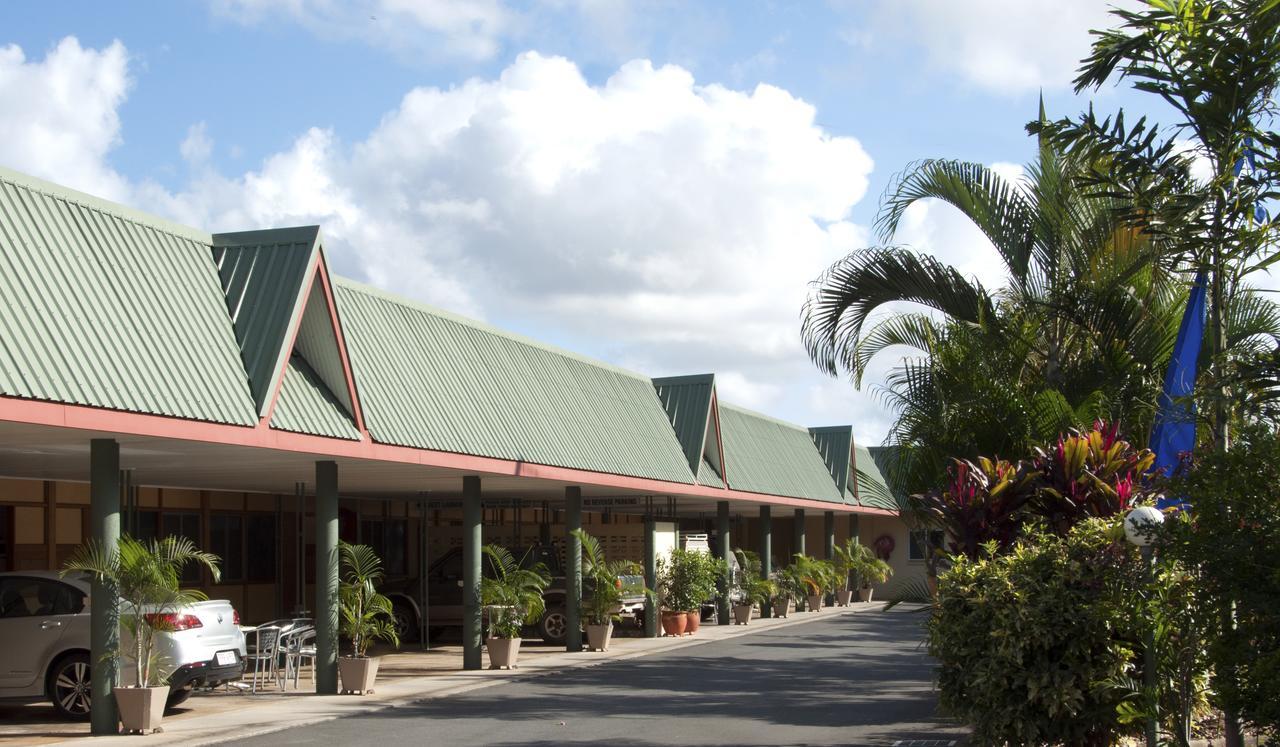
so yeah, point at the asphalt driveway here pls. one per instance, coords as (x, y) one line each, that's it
(859, 679)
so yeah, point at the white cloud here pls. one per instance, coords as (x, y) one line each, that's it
(470, 29)
(196, 147)
(1011, 46)
(652, 220)
(59, 116)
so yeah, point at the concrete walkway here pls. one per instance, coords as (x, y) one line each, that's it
(242, 716)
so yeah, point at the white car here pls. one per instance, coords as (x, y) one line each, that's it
(44, 642)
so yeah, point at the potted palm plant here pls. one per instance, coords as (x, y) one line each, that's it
(146, 577)
(848, 557)
(366, 616)
(755, 590)
(789, 589)
(868, 569)
(816, 577)
(600, 608)
(512, 596)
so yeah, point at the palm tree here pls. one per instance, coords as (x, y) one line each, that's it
(514, 592)
(600, 608)
(366, 614)
(146, 576)
(1082, 327)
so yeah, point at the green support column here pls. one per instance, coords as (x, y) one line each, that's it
(797, 528)
(544, 529)
(726, 553)
(853, 527)
(650, 575)
(104, 602)
(326, 578)
(829, 531)
(766, 553)
(472, 514)
(573, 568)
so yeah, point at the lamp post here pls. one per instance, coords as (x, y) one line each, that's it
(1140, 529)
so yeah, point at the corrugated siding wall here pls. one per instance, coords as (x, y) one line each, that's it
(100, 306)
(306, 405)
(431, 380)
(763, 455)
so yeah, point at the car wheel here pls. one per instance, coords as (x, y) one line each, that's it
(554, 626)
(178, 697)
(406, 622)
(69, 686)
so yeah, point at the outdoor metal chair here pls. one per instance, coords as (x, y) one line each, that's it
(300, 650)
(264, 655)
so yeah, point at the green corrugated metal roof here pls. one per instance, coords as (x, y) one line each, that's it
(834, 444)
(708, 476)
(687, 400)
(432, 380)
(873, 491)
(764, 455)
(306, 405)
(107, 307)
(262, 273)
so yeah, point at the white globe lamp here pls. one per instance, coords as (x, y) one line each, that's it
(1141, 524)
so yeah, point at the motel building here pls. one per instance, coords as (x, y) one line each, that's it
(159, 380)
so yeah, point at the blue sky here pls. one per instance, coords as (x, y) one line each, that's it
(523, 163)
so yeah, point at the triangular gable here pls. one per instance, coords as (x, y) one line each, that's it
(317, 344)
(280, 299)
(691, 405)
(872, 489)
(263, 275)
(713, 447)
(835, 443)
(687, 400)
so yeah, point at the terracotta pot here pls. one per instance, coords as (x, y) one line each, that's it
(674, 623)
(815, 602)
(141, 708)
(781, 606)
(693, 622)
(357, 673)
(741, 614)
(843, 598)
(598, 637)
(503, 652)
(864, 595)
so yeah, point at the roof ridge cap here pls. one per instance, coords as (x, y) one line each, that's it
(101, 204)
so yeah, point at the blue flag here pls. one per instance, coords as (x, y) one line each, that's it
(1175, 428)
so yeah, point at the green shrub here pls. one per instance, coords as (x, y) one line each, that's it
(687, 578)
(1034, 644)
(1232, 539)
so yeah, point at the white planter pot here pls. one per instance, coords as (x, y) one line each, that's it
(141, 708)
(864, 595)
(503, 652)
(358, 674)
(741, 614)
(598, 637)
(843, 598)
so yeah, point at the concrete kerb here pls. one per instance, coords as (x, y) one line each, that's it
(256, 719)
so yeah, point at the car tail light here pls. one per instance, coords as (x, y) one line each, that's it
(235, 616)
(172, 621)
